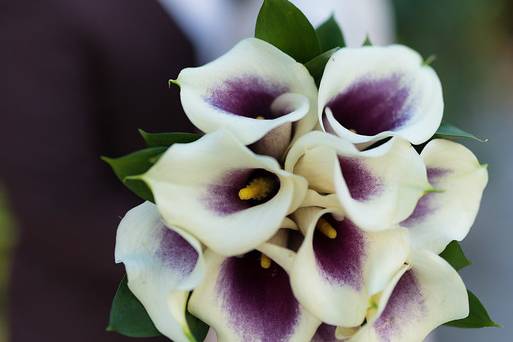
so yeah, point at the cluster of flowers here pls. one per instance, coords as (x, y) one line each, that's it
(305, 214)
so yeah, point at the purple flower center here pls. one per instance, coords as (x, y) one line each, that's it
(362, 184)
(259, 302)
(371, 106)
(248, 96)
(176, 252)
(406, 304)
(341, 259)
(427, 203)
(325, 333)
(223, 196)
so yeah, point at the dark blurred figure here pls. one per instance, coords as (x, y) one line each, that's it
(78, 78)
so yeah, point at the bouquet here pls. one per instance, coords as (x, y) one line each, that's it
(324, 200)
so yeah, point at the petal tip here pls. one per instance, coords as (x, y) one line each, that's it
(432, 189)
(134, 177)
(172, 82)
(428, 61)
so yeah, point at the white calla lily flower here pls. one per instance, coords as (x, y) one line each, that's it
(256, 92)
(377, 188)
(448, 214)
(339, 267)
(370, 93)
(422, 296)
(231, 199)
(249, 298)
(163, 264)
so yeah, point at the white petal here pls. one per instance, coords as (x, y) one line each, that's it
(162, 264)
(417, 301)
(377, 92)
(377, 188)
(441, 217)
(314, 199)
(246, 82)
(334, 278)
(196, 187)
(244, 302)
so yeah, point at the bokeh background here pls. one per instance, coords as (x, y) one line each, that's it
(473, 43)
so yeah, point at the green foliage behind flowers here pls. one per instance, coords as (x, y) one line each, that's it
(446, 130)
(330, 35)
(454, 255)
(478, 316)
(129, 317)
(128, 167)
(286, 27)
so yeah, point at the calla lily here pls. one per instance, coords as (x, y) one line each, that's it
(446, 215)
(231, 199)
(249, 298)
(339, 267)
(163, 263)
(370, 93)
(425, 294)
(254, 91)
(377, 188)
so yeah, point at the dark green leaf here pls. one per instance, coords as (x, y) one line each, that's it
(329, 34)
(135, 164)
(168, 139)
(198, 328)
(454, 255)
(447, 130)
(478, 317)
(316, 65)
(286, 27)
(128, 316)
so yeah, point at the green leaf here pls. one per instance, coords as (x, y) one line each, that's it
(447, 130)
(135, 164)
(283, 25)
(168, 139)
(329, 35)
(198, 328)
(367, 41)
(316, 65)
(454, 255)
(128, 316)
(477, 318)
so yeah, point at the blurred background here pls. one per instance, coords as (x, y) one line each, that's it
(81, 76)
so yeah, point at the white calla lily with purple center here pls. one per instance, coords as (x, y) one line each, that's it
(163, 264)
(249, 298)
(425, 294)
(339, 266)
(255, 91)
(377, 188)
(231, 199)
(447, 214)
(370, 93)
